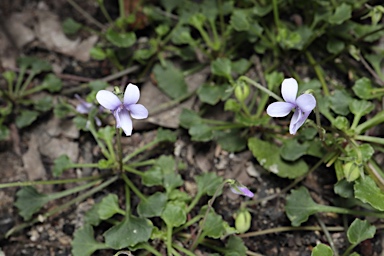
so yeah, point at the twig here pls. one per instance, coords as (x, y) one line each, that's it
(85, 14)
(370, 70)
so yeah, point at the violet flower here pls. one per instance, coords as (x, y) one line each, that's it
(123, 111)
(303, 105)
(239, 189)
(85, 107)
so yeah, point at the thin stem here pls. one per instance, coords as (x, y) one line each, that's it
(349, 249)
(85, 14)
(104, 11)
(133, 188)
(318, 122)
(132, 170)
(19, 81)
(127, 200)
(318, 71)
(183, 250)
(46, 182)
(60, 208)
(93, 131)
(377, 119)
(27, 82)
(194, 202)
(71, 191)
(119, 148)
(370, 139)
(262, 88)
(169, 239)
(150, 249)
(202, 223)
(276, 13)
(188, 223)
(327, 235)
(143, 163)
(288, 229)
(139, 150)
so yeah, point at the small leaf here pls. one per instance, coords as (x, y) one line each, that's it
(152, 177)
(211, 94)
(166, 135)
(92, 216)
(322, 250)
(231, 141)
(342, 13)
(98, 53)
(26, 118)
(239, 20)
(344, 188)
(221, 67)
(29, 201)
(61, 164)
(214, 225)
(121, 39)
(208, 183)
(70, 26)
(268, 155)
(4, 132)
(235, 247)
(300, 206)
(201, 132)
(170, 80)
(84, 243)
(153, 206)
(131, 231)
(359, 231)
(368, 192)
(339, 102)
(108, 207)
(341, 123)
(98, 85)
(174, 214)
(335, 46)
(293, 150)
(172, 181)
(364, 90)
(361, 107)
(188, 118)
(43, 104)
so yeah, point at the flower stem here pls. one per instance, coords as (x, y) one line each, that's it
(138, 151)
(370, 139)
(377, 119)
(119, 149)
(169, 240)
(260, 87)
(318, 71)
(183, 250)
(133, 188)
(132, 170)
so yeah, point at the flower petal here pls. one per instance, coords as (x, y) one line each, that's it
(297, 121)
(306, 102)
(289, 89)
(108, 100)
(138, 111)
(241, 190)
(123, 121)
(279, 109)
(131, 94)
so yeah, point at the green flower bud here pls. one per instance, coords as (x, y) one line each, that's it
(351, 171)
(243, 221)
(241, 91)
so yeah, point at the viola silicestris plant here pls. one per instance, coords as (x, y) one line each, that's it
(303, 105)
(123, 111)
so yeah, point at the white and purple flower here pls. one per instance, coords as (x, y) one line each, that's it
(239, 189)
(123, 111)
(303, 105)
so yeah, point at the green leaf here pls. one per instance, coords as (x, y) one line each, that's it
(359, 231)
(344, 189)
(221, 67)
(364, 151)
(268, 155)
(342, 13)
(26, 118)
(29, 201)
(4, 132)
(211, 94)
(70, 26)
(231, 141)
(167, 164)
(214, 225)
(235, 247)
(84, 243)
(201, 132)
(232, 105)
(98, 53)
(152, 177)
(98, 85)
(293, 150)
(131, 231)
(240, 66)
(188, 118)
(239, 20)
(300, 206)
(108, 207)
(61, 164)
(368, 192)
(170, 80)
(361, 107)
(342, 123)
(364, 90)
(174, 214)
(153, 206)
(121, 39)
(335, 46)
(166, 135)
(172, 181)
(92, 216)
(208, 183)
(322, 250)
(43, 104)
(340, 102)
(182, 35)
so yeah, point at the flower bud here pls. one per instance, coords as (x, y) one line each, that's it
(241, 91)
(243, 221)
(351, 171)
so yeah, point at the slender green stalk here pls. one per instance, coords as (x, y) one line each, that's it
(276, 13)
(46, 182)
(119, 148)
(349, 249)
(132, 170)
(93, 131)
(133, 188)
(377, 119)
(71, 191)
(202, 223)
(188, 223)
(262, 88)
(16, 91)
(327, 208)
(150, 249)
(169, 239)
(288, 229)
(194, 202)
(183, 250)
(370, 139)
(376, 173)
(327, 235)
(60, 208)
(26, 83)
(139, 150)
(127, 200)
(143, 163)
(319, 72)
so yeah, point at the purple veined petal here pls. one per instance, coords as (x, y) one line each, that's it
(83, 107)
(297, 121)
(124, 121)
(279, 109)
(306, 102)
(138, 111)
(241, 190)
(289, 89)
(131, 94)
(108, 100)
